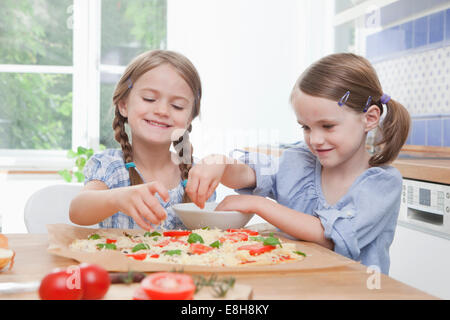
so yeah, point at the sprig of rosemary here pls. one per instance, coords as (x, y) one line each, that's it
(220, 287)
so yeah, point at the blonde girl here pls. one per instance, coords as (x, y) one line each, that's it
(158, 96)
(329, 189)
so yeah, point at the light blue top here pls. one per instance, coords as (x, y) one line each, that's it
(109, 167)
(361, 224)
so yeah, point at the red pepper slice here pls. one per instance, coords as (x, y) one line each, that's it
(111, 241)
(137, 256)
(177, 233)
(257, 249)
(154, 256)
(247, 231)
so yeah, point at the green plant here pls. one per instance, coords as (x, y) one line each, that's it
(80, 157)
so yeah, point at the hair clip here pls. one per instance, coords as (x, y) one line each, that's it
(130, 84)
(184, 183)
(344, 99)
(385, 98)
(367, 104)
(129, 165)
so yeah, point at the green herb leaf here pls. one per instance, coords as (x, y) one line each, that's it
(300, 253)
(140, 246)
(193, 238)
(152, 234)
(206, 228)
(259, 238)
(109, 246)
(271, 241)
(94, 236)
(215, 244)
(172, 252)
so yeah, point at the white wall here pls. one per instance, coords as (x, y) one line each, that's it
(249, 55)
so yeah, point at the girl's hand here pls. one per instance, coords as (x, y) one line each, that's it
(204, 178)
(140, 203)
(241, 203)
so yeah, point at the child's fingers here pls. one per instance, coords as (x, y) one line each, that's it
(162, 191)
(138, 219)
(155, 209)
(146, 213)
(211, 189)
(201, 194)
(192, 187)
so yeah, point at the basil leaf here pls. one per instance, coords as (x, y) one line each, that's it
(300, 253)
(94, 236)
(193, 238)
(152, 234)
(109, 246)
(206, 228)
(215, 244)
(259, 238)
(172, 252)
(271, 241)
(140, 246)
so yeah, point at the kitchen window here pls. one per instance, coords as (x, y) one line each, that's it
(59, 63)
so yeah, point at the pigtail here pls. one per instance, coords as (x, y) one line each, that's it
(121, 137)
(391, 134)
(185, 153)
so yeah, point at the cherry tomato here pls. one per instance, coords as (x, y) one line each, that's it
(169, 286)
(257, 249)
(61, 284)
(198, 248)
(139, 294)
(176, 233)
(247, 231)
(94, 281)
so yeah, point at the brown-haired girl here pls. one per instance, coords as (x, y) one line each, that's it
(329, 189)
(158, 96)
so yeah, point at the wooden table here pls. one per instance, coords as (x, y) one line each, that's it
(348, 282)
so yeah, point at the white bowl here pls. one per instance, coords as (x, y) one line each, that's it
(195, 218)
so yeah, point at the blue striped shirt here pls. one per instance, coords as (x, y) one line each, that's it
(109, 167)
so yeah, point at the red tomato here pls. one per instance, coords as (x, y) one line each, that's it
(257, 249)
(154, 256)
(247, 231)
(198, 248)
(94, 281)
(61, 285)
(234, 237)
(176, 233)
(169, 286)
(137, 256)
(111, 241)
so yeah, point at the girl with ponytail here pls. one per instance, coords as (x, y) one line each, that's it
(329, 188)
(155, 101)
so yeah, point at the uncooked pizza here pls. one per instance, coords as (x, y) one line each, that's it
(208, 247)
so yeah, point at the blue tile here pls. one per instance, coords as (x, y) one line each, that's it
(434, 132)
(447, 24)
(407, 29)
(446, 125)
(436, 27)
(418, 132)
(420, 32)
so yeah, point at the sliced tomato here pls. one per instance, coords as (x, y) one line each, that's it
(176, 233)
(257, 249)
(169, 286)
(154, 256)
(139, 294)
(198, 248)
(247, 231)
(234, 237)
(137, 256)
(111, 241)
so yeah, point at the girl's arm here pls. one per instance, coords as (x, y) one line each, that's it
(297, 224)
(97, 202)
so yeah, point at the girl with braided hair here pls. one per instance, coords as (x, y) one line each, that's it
(158, 96)
(329, 189)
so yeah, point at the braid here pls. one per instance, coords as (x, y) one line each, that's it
(186, 160)
(121, 137)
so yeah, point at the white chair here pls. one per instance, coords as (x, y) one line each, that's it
(49, 205)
